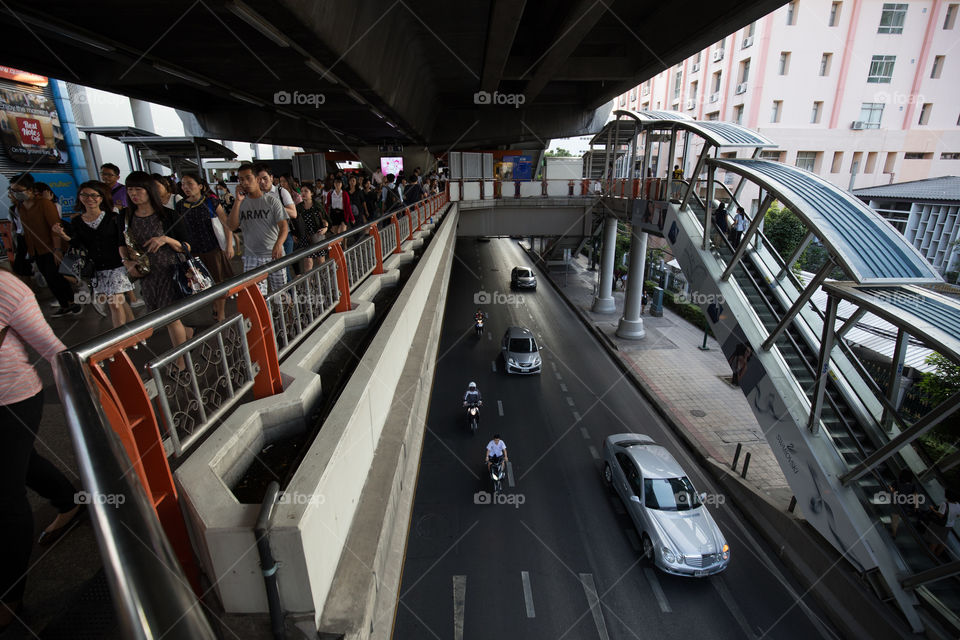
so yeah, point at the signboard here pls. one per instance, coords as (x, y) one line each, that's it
(9, 73)
(391, 165)
(63, 186)
(30, 129)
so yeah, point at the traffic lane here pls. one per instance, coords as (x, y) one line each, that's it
(770, 605)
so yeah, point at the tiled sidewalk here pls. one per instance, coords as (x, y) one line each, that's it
(688, 383)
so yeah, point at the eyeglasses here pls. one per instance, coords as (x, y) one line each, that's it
(109, 174)
(96, 196)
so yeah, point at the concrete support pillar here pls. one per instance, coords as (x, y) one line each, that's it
(142, 119)
(604, 302)
(631, 324)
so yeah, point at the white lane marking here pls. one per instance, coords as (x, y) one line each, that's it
(634, 540)
(594, 452)
(563, 387)
(576, 416)
(553, 364)
(500, 408)
(732, 606)
(657, 589)
(528, 594)
(584, 433)
(489, 336)
(569, 401)
(557, 374)
(459, 602)
(493, 365)
(510, 482)
(590, 590)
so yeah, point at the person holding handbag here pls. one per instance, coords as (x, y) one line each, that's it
(315, 226)
(96, 230)
(199, 213)
(150, 229)
(21, 406)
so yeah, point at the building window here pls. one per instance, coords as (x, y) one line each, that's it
(751, 29)
(925, 113)
(949, 156)
(623, 99)
(784, 67)
(855, 162)
(951, 17)
(837, 162)
(697, 59)
(713, 115)
(678, 79)
(937, 67)
(881, 69)
(738, 114)
(889, 162)
(633, 94)
(891, 20)
(693, 90)
(716, 81)
(806, 160)
(775, 112)
(917, 156)
(776, 156)
(817, 111)
(834, 14)
(825, 61)
(792, 13)
(745, 70)
(871, 162)
(870, 114)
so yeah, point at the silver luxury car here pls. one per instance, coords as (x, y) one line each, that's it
(523, 278)
(521, 354)
(676, 530)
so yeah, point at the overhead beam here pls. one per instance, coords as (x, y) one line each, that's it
(801, 300)
(505, 18)
(823, 363)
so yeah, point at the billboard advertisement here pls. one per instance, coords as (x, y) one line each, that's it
(392, 165)
(30, 129)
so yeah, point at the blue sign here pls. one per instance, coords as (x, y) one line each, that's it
(63, 186)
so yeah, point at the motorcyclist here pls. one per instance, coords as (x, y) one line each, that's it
(472, 396)
(496, 449)
(480, 315)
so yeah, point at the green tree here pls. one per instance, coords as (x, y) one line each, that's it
(784, 230)
(941, 383)
(559, 153)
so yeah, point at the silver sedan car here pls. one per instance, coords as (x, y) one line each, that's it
(521, 354)
(676, 530)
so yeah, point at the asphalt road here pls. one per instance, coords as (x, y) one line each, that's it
(560, 558)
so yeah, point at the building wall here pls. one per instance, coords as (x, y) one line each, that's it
(879, 154)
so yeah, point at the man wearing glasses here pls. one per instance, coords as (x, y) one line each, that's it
(38, 217)
(110, 176)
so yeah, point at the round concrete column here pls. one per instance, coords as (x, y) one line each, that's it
(604, 302)
(631, 324)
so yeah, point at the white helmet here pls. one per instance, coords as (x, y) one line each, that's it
(472, 385)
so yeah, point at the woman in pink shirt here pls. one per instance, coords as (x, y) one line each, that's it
(21, 406)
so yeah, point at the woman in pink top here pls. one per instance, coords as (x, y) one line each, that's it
(21, 406)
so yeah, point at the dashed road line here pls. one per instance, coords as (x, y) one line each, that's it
(500, 407)
(657, 590)
(510, 482)
(459, 603)
(563, 387)
(553, 365)
(557, 374)
(584, 433)
(569, 401)
(594, 452)
(493, 365)
(590, 590)
(528, 594)
(576, 416)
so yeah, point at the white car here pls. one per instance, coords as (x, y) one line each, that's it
(677, 532)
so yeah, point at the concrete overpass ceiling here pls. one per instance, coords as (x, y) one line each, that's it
(386, 70)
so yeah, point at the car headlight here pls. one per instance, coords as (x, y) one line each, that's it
(511, 362)
(536, 360)
(668, 555)
(726, 551)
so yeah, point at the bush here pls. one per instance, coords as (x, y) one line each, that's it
(689, 312)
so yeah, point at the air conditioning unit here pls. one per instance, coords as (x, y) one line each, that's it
(742, 88)
(691, 103)
(714, 97)
(858, 124)
(717, 55)
(747, 42)
(695, 67)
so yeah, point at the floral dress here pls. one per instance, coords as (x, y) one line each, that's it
(158, 287)
(313, 221)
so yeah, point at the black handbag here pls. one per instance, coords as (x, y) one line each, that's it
(191, 275)
(77, 264)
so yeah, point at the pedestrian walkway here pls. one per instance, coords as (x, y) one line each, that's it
(689, 384)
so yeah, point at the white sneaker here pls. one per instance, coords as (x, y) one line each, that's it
(137, 303)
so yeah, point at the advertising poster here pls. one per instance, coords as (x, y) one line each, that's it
(30, 129)
(391, 165)
(63, 186)
(800, 454)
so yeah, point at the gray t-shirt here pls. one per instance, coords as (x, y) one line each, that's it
(286, 199)
(259, 218)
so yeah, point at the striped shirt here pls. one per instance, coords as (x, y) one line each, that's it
(19, 311)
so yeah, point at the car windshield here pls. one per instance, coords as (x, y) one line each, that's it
(522, 345)
(670, 494)
(523, 273)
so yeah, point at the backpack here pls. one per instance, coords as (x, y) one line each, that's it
(393, 199)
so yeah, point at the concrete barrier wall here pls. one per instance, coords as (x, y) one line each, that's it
(223, 527)
(512, 217)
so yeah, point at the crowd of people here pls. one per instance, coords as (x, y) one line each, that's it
(143, 228)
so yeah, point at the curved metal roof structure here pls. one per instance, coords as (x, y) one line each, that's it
(719, 134)
(640, 120)
(929, 316)
(868, 249)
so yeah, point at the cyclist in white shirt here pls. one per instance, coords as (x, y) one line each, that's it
(496, 449)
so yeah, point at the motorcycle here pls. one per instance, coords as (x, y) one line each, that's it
(496, 475)
(473, 416)
(479, 326)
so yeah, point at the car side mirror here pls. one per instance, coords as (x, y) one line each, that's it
(635, 499)
(703, 497)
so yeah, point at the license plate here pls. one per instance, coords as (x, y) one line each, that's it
(699, 574)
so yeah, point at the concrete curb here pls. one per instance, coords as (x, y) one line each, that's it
(812, 562)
